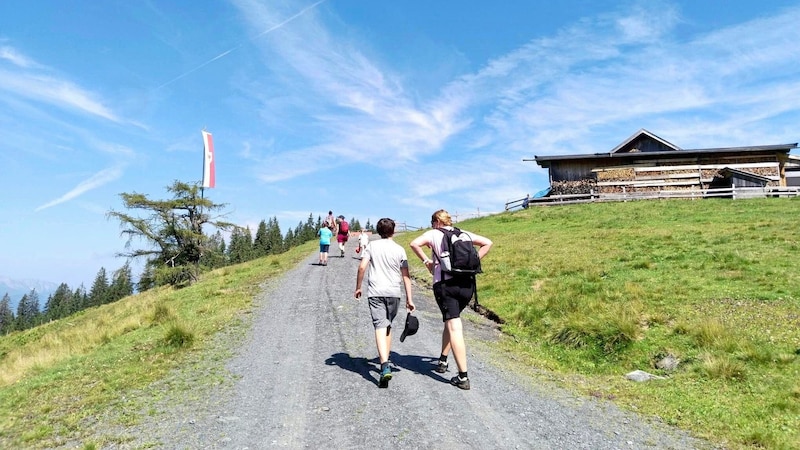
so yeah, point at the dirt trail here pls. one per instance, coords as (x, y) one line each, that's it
(306, 377)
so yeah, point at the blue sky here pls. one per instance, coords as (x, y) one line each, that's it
(371, 109)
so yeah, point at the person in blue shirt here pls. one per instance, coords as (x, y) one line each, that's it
(325, 234)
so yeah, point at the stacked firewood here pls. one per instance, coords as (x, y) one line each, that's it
(573, 187)
(616, 175)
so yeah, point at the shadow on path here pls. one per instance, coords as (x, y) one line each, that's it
(423, 365)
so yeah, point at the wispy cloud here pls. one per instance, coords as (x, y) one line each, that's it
(14, 57)
(581, 90)
(31, 82)
(100, 178)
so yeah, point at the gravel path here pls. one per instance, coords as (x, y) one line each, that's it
(306, 377)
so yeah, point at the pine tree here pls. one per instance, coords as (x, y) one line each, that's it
(147, 279)
(261, 243)
(274, 237)
(80, 300)
(6, 315)
(58, 303)
(121, 284)
(28, 315)
(288, 241)
(214, 255)
(309, 229)
(241, 247)
(98, 295)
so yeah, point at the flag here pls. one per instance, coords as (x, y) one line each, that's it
(208, 161)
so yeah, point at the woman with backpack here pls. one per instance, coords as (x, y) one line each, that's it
(452, 291)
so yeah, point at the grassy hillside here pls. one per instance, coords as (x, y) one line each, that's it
(586, 292)
(598, 290)
(56, 379)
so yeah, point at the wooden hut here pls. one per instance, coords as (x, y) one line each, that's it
(645, 162)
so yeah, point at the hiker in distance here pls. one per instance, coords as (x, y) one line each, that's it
(342, 234)
(325, 234)
(388, 270)
(452, 292)
(363, 240)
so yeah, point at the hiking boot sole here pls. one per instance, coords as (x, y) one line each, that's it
(384, 381)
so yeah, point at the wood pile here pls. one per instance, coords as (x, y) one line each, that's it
(573, 187)
(616, 174)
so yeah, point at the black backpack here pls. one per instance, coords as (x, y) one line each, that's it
(459, 256)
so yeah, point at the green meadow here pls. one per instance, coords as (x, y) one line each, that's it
(585, 293)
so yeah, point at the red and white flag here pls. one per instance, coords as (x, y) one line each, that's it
(208, 161)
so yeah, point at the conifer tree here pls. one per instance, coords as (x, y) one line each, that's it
(274, 237)
(214, 255)
(58, 303)
(147, 279)
(241, 246)
(98, 295)
(173, 230)
(288, 241)
(309, 229)
(28, 311)
(261, 243)
(121, 284)
(80, 300)
(6, 315)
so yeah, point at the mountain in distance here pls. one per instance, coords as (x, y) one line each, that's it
(17, 288)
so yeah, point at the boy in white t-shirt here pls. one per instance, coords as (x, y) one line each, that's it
(388, 270)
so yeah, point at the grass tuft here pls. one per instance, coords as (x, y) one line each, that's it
(178, 336)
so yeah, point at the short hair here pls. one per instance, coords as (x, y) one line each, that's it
(385, 227)
(443, 217)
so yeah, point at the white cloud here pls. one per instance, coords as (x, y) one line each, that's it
(55, 92)
(18, 59)
(100, 178)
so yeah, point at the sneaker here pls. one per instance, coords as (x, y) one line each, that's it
(342, 254)
(441, 367)
(461, 383)
(386, 375)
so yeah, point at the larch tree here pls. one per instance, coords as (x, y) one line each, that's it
(172, 229)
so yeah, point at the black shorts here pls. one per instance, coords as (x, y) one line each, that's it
(453, 296)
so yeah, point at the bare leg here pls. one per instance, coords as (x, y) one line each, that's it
(455, 330)
(383, 341)
(445, 341)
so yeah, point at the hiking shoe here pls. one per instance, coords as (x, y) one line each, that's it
(441, 367)
(386, 375)
(461, 383)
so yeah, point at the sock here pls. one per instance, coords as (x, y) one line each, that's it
(462, 375)
(384, 366)
(443, 358)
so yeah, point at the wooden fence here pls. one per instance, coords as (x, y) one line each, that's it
(734, 193)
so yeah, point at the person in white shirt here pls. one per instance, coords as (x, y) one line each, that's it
(388, 271)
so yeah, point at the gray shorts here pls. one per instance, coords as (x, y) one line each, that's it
(383, 310)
